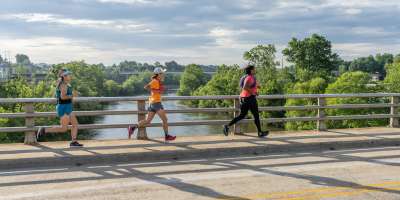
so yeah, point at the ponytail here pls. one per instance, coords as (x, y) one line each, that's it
(154, 76)
(60, 78)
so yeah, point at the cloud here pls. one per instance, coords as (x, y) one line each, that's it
(143, 2)
(206, 32)
(371, 31)
(227, 38)
(354, 50)
(119, 25)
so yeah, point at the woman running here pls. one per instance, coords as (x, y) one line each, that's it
(64, 95)
(248, 100)
(155, 106)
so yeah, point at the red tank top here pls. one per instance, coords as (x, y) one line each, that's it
(253, 90)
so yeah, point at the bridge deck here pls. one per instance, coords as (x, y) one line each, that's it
(111, 151)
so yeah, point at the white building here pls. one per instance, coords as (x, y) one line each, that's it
(5, 71)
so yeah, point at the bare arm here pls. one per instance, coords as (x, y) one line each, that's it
(64, 95)
(147, 87)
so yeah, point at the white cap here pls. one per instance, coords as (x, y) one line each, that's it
(159, 70)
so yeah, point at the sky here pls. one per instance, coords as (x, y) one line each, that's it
(191, 31)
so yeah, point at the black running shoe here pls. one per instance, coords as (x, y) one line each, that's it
(75, 144)
(226, 130)
(40, 132)
(263, 134)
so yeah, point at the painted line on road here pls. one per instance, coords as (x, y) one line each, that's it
(337, 192)
(35, 170)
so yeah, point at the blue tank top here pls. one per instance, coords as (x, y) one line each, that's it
(58, 95)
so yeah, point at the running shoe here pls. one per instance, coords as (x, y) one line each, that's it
(226, 130)
(170, 138)
(131, 130)
(41, 131)
(75, 144)
(263, 134)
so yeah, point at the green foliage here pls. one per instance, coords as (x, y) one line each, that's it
(19, 88)
(87, 79)
(224, 82)
(313, 86)
(192, 78)
(396, 59)
(134, 85)
(112, 88)
(371, 64)
(22, 59)
(354, 82)
(174, 66)
(262, 56)
(392, 80)
(368, 64)
(313, 57)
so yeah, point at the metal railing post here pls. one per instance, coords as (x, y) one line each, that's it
(394, 121)
(321, 125)
(141, 107)
(30, 137)
(236, 127)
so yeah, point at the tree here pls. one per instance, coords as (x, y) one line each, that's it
(88, 79)
(112, 88)
(224, 82)
(369, 64)
(1, 59)
(383, 59)
(135, 83)
(22, 59)
(262, 56)
(397, 59)
(392, 79)
(366, 64)
(174, 66)
(18, 88)
(192, 78)
(313, 86)
(354, 82)
(312, 57)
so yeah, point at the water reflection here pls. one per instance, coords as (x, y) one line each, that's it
(158, 132)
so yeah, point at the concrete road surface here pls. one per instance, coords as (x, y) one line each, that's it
(365, 174)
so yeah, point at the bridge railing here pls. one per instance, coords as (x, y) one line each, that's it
(141, 112)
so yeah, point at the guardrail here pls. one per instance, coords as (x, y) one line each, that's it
(320, 118)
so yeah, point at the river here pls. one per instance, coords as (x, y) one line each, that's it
(158, 132)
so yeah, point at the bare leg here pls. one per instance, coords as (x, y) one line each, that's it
(147, 121)
(163, 116)
(64, 121)
(74, 130)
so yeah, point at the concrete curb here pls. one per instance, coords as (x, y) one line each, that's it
(170, 155)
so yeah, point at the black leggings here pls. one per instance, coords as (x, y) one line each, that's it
(246, 104)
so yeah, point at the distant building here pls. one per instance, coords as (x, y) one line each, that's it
(376, 76)
(5, 71)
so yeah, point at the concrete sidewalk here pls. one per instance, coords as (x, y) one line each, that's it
(15, 156)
